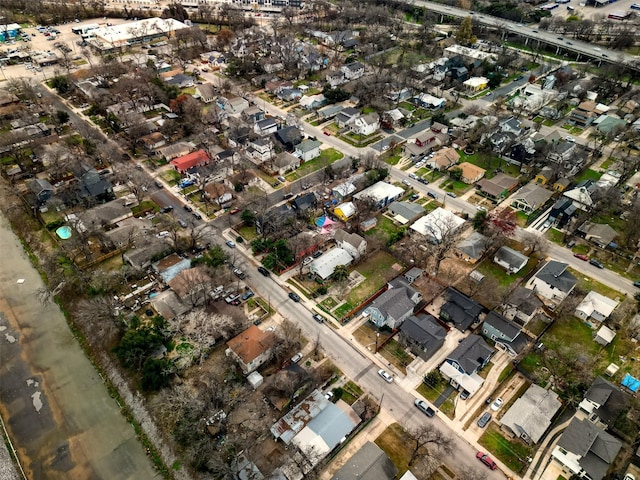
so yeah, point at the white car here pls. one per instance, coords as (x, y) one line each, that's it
(569, 138)
(495, 406)
(296, 358)
(387, 378)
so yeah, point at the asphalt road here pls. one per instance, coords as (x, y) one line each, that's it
(557, 40)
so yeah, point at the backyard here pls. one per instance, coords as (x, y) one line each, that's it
(392, 351)
(384, 230)
(512, 453)
(377, 269)
(327, 157)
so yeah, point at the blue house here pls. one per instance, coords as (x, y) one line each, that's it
(507, 334)
(9, 31)
(395, 305)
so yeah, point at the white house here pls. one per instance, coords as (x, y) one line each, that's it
(353, 243)
(553, 282)
(596, 307)
(308, 150)
(353, 71)
(260, 149)
(366, 124)
(437, 224)
(266, 127)
(324, 266)
(381, 193)
(312, 101)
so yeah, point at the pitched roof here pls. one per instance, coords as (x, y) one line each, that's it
(460, 309)
(308, 145)
(596, 302)
(511, 257)
(471, 353)
(555, 274)
(368, 463)
(251, 343)
(469, 170)
(199, 157)
(525, 300)
(395, 302)
(352, 239)
(599, 232)
(611, 400)
(596, 448)
(423, 329)
(327, 263)
(473, 246)
(507, 327)
(532, 413)
(407, 210)
(533, 195)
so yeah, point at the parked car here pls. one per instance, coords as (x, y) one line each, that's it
(247, 295)
(307, 261)
(182, 223)
(317, 253)
(406, 182)
(233, 211)
(318, 318)
(414, 197)
(484, 419)
(581, 256)
(232, 298)
(452, 195)
(238, 273)
(281, 178)
(197, 215)
(596, 263)
(230, 244)
(166, 209)
(486, 459)
(159, 184)
(413, 175)
(495, 406)
(432, 195)
(327, 133)
(423, 181)
(296, 358)
(424, 407)
(387, 378)
(263, 271)
(188, 208)
(636, 284)
(294, 296)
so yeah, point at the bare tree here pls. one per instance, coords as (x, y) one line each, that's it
(427, 441)
(536, 243)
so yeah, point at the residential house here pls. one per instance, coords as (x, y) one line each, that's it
(380, 193)
(94, 187)
(603, 403)
(191, 286)
(561, 184)
(352, 71)
(368, 463)
(507, 334)
(422, 335)
(42, 189)
(553, 282)
(509, 259)
(443, 159)
(207, 92)
(175, 150)
(599, 233)
(265, 127)
(335, 79)
(470, 173)
(462, 365)
(312, 102)
(530, 198)
(345, 211)
(308, 150)
(562, 211)
(235, 105)
(595, 307)
(260, 149)
(544, 176)
(512, 125)
(582, 195)
(472, 248)
(425, 100)
(438, 224)
(285, 162)
(324, 266)
(366, 124)
(521, 306)
(531, 415)
(606, 124)
(353, 243)
(346, 116)
(393, 306)
(304, 202)
(152, 141)
(498, 187)
(343, 190)
(584, 114)
(289, 137)
(405, 212)
(459, 309)
(251, 348)
(290, 94)
(565, 153)
(426, 139)
(329, 112)
(253, 114)
(585, 450)
(193, 159)
(475, 84)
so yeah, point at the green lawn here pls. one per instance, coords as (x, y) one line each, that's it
(393, 159)
(342, 310)
(351, 392)
(394, 441)
(589, 175)
(487, 267)
(377, 269)
(248, 232)
(328, 156)
(396, 355)
(512, 453)
(556, 236)
(607, 163)
(586, 284)
(383, 230)
(431, 393)
(329, 303)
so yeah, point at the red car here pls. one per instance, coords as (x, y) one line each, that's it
(484, 458)
(581, 256)
(327, 134)
(233, 211)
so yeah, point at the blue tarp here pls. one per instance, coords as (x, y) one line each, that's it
(631, 383)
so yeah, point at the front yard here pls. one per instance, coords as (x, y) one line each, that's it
(513, 453)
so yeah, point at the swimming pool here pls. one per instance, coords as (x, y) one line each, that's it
(64, 232)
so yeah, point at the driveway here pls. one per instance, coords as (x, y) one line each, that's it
(443, 396)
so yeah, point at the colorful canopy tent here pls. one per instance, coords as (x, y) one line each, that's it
(631, 383)
(325, 224)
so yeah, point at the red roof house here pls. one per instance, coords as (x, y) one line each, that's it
(194, 159)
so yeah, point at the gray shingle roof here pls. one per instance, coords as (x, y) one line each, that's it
(497, 321)
(368, 463)
(424, 330)
(555, 274)
(460, 309)
(471, 353)
(395, 302)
